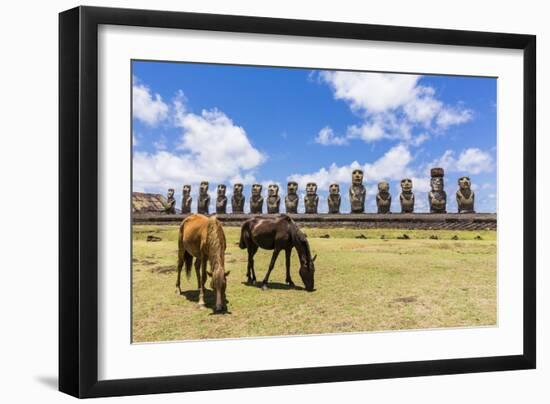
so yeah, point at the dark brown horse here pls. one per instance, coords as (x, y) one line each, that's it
(203, 238)
(278, 233)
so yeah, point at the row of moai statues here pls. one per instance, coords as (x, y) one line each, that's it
(357, 194)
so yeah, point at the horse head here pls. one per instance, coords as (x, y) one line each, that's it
(307, 263)
(219, 284)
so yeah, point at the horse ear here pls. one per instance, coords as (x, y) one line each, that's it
(314, 258)
(227, 273)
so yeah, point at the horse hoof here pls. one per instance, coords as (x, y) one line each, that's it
(264, 286)
(201, 305)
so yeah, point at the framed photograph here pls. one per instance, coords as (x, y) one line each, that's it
(251, 201)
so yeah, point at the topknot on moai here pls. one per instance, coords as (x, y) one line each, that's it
(406, 197)
(273, 198)
(237, 200)
(256, 200)
(383, 198)
(437, 196)
(311, 200)
(334, 198)
(221, 200)
(357, 192)
(291, 198)
(465, 197)
(170, 206)
(203, 203)
(186, 199)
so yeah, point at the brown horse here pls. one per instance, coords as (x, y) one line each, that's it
(279, 233)
(203, 238)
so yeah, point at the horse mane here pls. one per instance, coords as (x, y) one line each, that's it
(300, 241)
(215, 242)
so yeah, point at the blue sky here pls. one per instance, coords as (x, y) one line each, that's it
(245, 124)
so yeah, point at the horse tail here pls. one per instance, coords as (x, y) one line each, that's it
(183, 256)
(245, 230)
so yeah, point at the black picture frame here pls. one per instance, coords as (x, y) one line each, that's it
(78, 196)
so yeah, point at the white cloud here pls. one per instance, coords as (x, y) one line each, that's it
(327, 137)
(372, 92)
(211, 147)
(393, 165)
(418, 140)
(148, 108)
(453, 116)
(391, 106)
(470, 161)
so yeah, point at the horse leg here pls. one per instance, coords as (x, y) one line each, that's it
(202, 280)
(271, 265)
(198, 272)
(288, 252)
(250, 273)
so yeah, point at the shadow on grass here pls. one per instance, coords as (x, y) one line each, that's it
(209, 299)
(273, 285)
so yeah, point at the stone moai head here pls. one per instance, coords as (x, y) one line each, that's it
(186, 189)
(256, 189)
(334, 189)
(464, 183)
(203, 189)
(221, 190)
(436, 182)
(273, 190)
(383, 187)
(311, 188)
(237, 189)
(292, 188)
(357, 177)
(406, 185)
(170, 193)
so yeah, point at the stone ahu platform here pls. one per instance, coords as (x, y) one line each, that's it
(428, 221)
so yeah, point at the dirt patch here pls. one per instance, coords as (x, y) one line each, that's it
(163, 269)
(406, 299)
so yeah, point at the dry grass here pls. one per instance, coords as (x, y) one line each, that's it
(361, 285)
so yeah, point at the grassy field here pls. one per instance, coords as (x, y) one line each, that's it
(381, 282)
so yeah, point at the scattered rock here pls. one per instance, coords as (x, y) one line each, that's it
(361, 236)
(455, 237)
(164, 269)
(382, 237)
(406, 299)
(153, 238)
(403, 237)
(434, 237)
(478, 237)
(325, 236)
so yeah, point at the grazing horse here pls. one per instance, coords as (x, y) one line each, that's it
(279, 233)
(203, 238)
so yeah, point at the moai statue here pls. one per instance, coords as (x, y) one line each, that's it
(383, 197)
(357, 192)
(221, 200)
(291, 198)
(311, 200)
(256, 200)
(465, 196)
(237, 200)
(186, 199)
(334, 198)
(406, 197)
(273, 198)
(437, 196)
(170, 206)
(203, 203)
